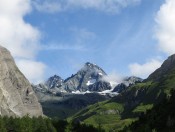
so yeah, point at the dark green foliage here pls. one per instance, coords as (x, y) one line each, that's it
(159, 119)
(41, 124)
(77, 127)
(60, 125)
(26, 124)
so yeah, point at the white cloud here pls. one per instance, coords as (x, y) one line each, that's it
(113, 78)
(112, 6)
(47, 6)
(165, 34)
(32, 69)
(16, 35)
(21, 38)
(165, 30)
(109, 6)
(144, 70)
(82, 35)
(62, 47)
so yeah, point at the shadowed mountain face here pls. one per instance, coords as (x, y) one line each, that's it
(17, 97)
(166, 68)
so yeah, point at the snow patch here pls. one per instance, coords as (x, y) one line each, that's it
(108, 92)
(78, 92)
(90, 82)
(100, 74)
(105, 92)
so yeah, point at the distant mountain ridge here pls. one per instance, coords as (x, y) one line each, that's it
(63, 98)
(90, 78)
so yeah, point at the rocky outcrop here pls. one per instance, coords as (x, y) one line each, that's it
(17, 97)
(100, 86)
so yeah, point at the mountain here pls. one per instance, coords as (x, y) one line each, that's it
(89, 75)
(132, 102)
(57, 96)
(88, 79)
(17, 97)
(166, 68)
(127, 82)
(100, 86)
(63, 98)
(54, 82)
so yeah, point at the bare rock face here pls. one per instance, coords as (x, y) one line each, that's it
(17, 97)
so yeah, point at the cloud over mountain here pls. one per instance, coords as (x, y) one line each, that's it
(20, 37)
(143, 70)
(165, 32)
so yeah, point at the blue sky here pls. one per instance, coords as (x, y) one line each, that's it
(121, 37)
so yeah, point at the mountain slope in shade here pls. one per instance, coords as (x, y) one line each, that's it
(160, 118)
(166, 68)
(17, 97)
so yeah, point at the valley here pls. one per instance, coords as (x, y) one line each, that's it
(87, 98)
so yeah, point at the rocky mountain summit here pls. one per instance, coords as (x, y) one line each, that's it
(17, 97)
(90, 74)
(88, 79)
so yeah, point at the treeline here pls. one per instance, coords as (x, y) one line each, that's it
(42, 124)
(161, 118)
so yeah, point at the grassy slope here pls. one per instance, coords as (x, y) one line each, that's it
(161, 118)
(106, 114)
(133, 102)
(147, 94)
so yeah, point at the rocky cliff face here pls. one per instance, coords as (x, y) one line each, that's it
(16, 94)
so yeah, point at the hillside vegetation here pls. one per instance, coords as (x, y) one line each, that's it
(159, 119)
(127, 107)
